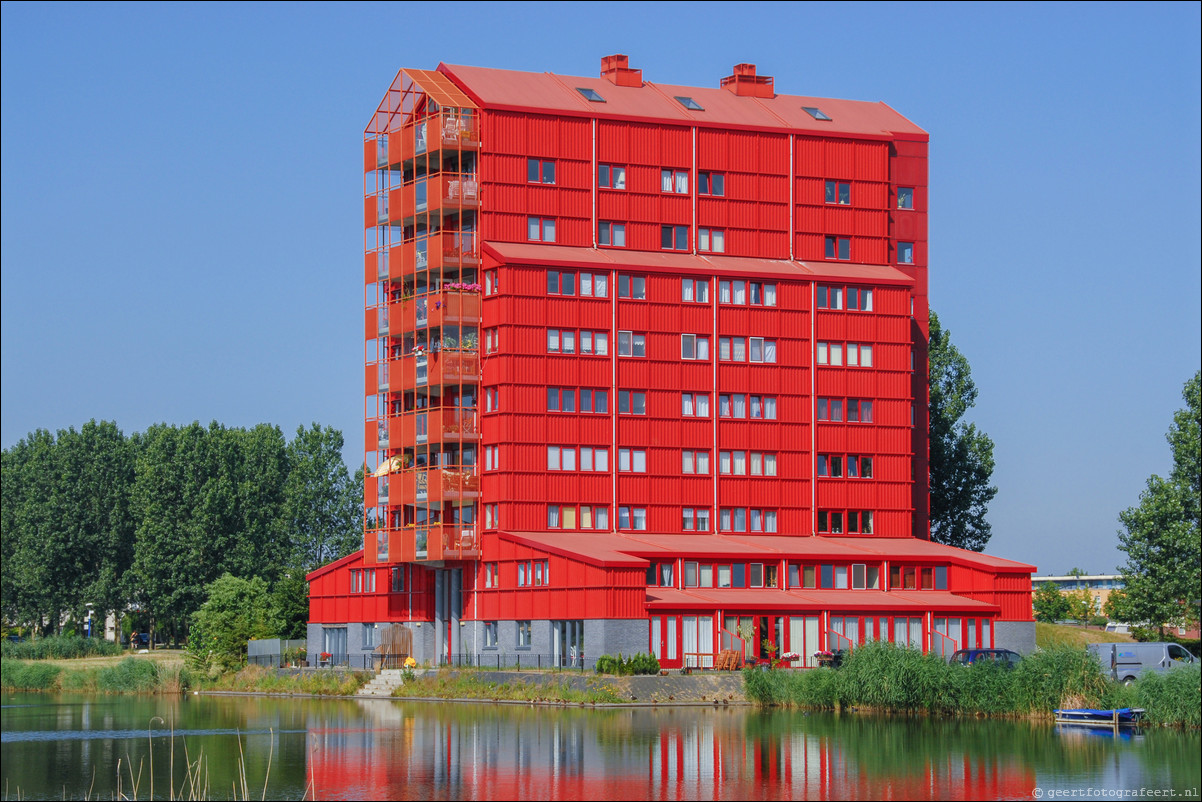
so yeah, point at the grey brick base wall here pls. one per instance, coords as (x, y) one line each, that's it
(1018, 636)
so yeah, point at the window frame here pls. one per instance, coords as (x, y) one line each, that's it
(538, 167)
(542, 223)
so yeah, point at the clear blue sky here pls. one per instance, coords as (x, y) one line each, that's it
(182, 218)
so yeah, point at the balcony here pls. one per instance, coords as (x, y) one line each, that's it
(439, 194)
(453, 130)
(449, 307)
(434, 426)
(430, 370)
(446, 250)
(427, 542)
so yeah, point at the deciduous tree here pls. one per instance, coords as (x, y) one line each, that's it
(961, 457)
(1163, 574)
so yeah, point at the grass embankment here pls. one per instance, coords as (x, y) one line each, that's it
(1048, 636)
(464, 684)
(257, 679)
(881, 676)
(130, 675)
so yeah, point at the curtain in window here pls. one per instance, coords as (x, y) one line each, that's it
(740, 292)
(552, 521)
(703, 406)
(682, 182)
(740, 406)
(769, 350)
(739, 460)
(769, 295)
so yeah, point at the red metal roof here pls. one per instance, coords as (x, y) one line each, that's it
(573, 256)
(327, 568)
(833, 600)
(546, 92)
(911, 547)
(601, 548)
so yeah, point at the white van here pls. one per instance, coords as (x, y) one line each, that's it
(1124, 662)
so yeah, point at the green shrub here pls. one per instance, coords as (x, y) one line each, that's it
(18, 676)
(131, 675)
(625, 666)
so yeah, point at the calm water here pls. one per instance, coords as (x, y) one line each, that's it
(60, 746)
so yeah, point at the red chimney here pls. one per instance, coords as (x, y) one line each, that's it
(745, 83)
(617, 69)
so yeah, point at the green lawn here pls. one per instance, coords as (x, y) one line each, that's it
(1048, 635)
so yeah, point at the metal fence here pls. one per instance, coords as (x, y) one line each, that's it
(520, 660)
(272, 652)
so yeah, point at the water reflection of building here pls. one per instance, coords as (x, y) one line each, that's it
(646, 371)
(641, 754)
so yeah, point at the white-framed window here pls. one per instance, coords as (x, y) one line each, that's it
(761, 350)
(540, 171)
(694, 346)
(611, 234)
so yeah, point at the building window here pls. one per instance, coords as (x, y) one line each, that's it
(492, 516)
(696, 462)
(492, 340)
(561, 282)
(540, 229)
(634, 287)
(632, 403)
(491, 287)
(763, 406)
(762, 464)
(695, 290)
(540, 171)
(816, 113)
(611, 234)
(676, 181)
(829, 297)
(590, 94)
(711, 240)
(695, 519)
(610, 176)
(492, 458)
(594, 343)
(524, 638)
(859, 467)
(830, 465)
(905, 253)
(763, 294)
(490, 634)
(695, 405)
(694, 346)
(830, 353)
(631, 344)
(732, 349)
(761, 350)
(632, 518)
(594, 459)
(838, 192)
(369, 636)
(711, 184)
(838, 248)
(594, 285)
(859, 355)
(398, 580)
(561, 458)
(674, 238)
(491, 399)
(905, 197)
(732, 292)
(632, 460)
(732, 463)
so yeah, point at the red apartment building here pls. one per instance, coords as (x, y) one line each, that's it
(646, 371)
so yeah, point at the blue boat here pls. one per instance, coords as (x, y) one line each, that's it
(1119, 717)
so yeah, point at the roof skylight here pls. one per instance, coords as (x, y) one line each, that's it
(590, 94)
(689, 103)
(816, 113)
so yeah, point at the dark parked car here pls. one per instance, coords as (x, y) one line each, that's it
(967, 657)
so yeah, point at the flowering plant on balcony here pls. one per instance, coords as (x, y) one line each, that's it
(790, 656)
(326, 655)
(462, 287)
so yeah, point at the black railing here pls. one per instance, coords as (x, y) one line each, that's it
(519, 660)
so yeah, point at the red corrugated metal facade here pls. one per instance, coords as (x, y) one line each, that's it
(604, 306)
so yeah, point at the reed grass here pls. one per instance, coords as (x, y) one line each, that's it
(58, 647)
(131, 675)
(882, 676)
(260, 679)
(463, 685)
